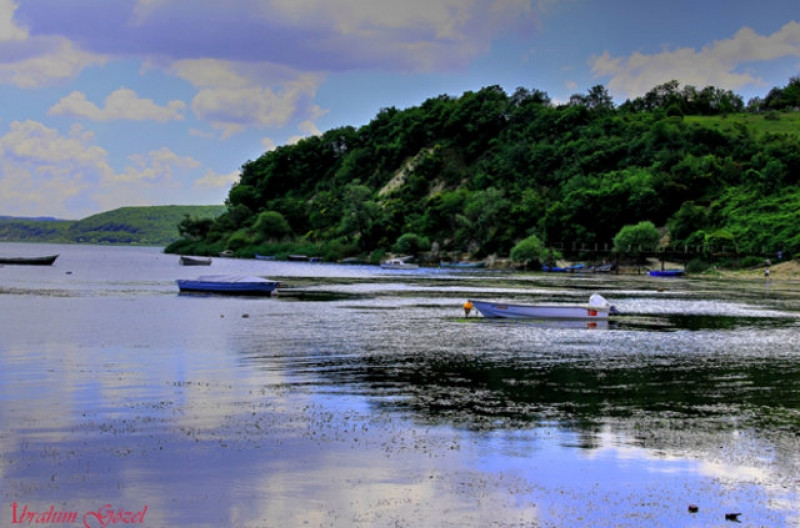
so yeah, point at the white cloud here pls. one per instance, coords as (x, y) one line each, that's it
(234, 96)
(268, 144)
(48, 60)
(9, 30)
(156, 166)
(45, 172)
(308, 128)
(714, 65)
(32, 62)
(121, 104)
(42, 170)
(212, 179)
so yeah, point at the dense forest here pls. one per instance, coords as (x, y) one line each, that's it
(477, 174)
(148, 226)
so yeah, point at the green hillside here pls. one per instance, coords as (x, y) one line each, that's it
(479, 173)
(152, 226)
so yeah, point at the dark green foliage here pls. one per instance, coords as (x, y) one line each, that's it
(532, 252)
(271, 225)
(411, 244)
(480, 172)
(634, 239)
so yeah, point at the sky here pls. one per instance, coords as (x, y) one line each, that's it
(111, 103)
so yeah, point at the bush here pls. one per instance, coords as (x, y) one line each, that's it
(530, 252)
(411, 244)
(632, 239)
(271, 225)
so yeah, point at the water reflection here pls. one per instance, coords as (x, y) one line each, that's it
(379, 404)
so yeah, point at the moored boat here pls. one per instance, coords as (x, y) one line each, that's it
(195, 261)
(665, 273)
(29, 261)
(398, 264)
(564, 269)
(228, 284)
(596, 309)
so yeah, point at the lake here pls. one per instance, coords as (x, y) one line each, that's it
(365, 397)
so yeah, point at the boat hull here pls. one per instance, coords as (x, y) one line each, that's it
(228, 287)
(543, 311)
(195, 261)
(29, 261)
(666, 273)
(399, 266)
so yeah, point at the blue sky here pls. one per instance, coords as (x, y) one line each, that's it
(108, 103)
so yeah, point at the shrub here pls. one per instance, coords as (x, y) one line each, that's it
(632, 239)
(530, 252)
(411, 243)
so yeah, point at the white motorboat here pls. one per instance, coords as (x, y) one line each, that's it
(596, 309)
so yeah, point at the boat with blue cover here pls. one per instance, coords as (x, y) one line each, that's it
(666, 273)
(228, 284)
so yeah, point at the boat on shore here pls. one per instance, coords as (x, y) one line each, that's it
(29, 261)
(228, 284)
(398, 264)
(598, 308)
(666, 273)
(564, 269)
(195, 261)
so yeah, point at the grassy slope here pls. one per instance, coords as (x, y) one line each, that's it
(157, 225)
(759, 124)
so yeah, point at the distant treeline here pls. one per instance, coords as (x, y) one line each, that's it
(476, 174)
(151, 226)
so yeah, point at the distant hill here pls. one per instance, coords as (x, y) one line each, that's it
(146, 226)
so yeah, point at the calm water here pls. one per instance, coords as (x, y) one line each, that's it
(362, 397)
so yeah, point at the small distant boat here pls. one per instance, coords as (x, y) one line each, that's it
(604, 268)
(398, 264)
(228, 284)
(228, 253)
(564, 269)
(597, 309)
(195, 261)
(665, 273)
(265, 257)
(29, 261)
(298, 258)
(461, 264)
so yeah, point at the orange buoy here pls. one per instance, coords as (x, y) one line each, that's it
(467, 308)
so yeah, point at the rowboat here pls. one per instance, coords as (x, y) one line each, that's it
(564, 269)
(596, 309)
(665, 273)
(195, 261)
(398, 264)
(228, 284)
(29, 261)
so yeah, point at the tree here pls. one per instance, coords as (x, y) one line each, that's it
(194, 229)
(271, 225)
(633, 239)
(531, 252)
(361, 216)
(411, 244)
